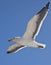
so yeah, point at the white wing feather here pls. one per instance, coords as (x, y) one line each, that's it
(35, 23)
(14, 48)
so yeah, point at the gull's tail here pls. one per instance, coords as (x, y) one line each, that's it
(39, 45)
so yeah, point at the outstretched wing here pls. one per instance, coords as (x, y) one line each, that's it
(35, 23)
(14, 48)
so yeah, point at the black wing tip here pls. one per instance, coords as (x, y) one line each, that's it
(47, 5)
(8, 52)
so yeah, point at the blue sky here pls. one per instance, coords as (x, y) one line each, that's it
(14, 16)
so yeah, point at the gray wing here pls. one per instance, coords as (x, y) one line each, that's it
(14, 48)
(35, 23)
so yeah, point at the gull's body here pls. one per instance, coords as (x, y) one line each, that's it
(33, 28)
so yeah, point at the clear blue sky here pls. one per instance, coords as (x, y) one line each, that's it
(14, 16)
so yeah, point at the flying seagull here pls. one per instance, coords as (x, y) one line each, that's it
(33, 28)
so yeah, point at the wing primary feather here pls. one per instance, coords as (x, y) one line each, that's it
(35, 23)
(46, 7)
(14, 48)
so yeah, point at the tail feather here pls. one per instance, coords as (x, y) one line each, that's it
(39, 45)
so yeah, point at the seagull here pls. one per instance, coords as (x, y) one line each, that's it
(32, 30)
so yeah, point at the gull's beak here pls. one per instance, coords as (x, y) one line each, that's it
(11, 40)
